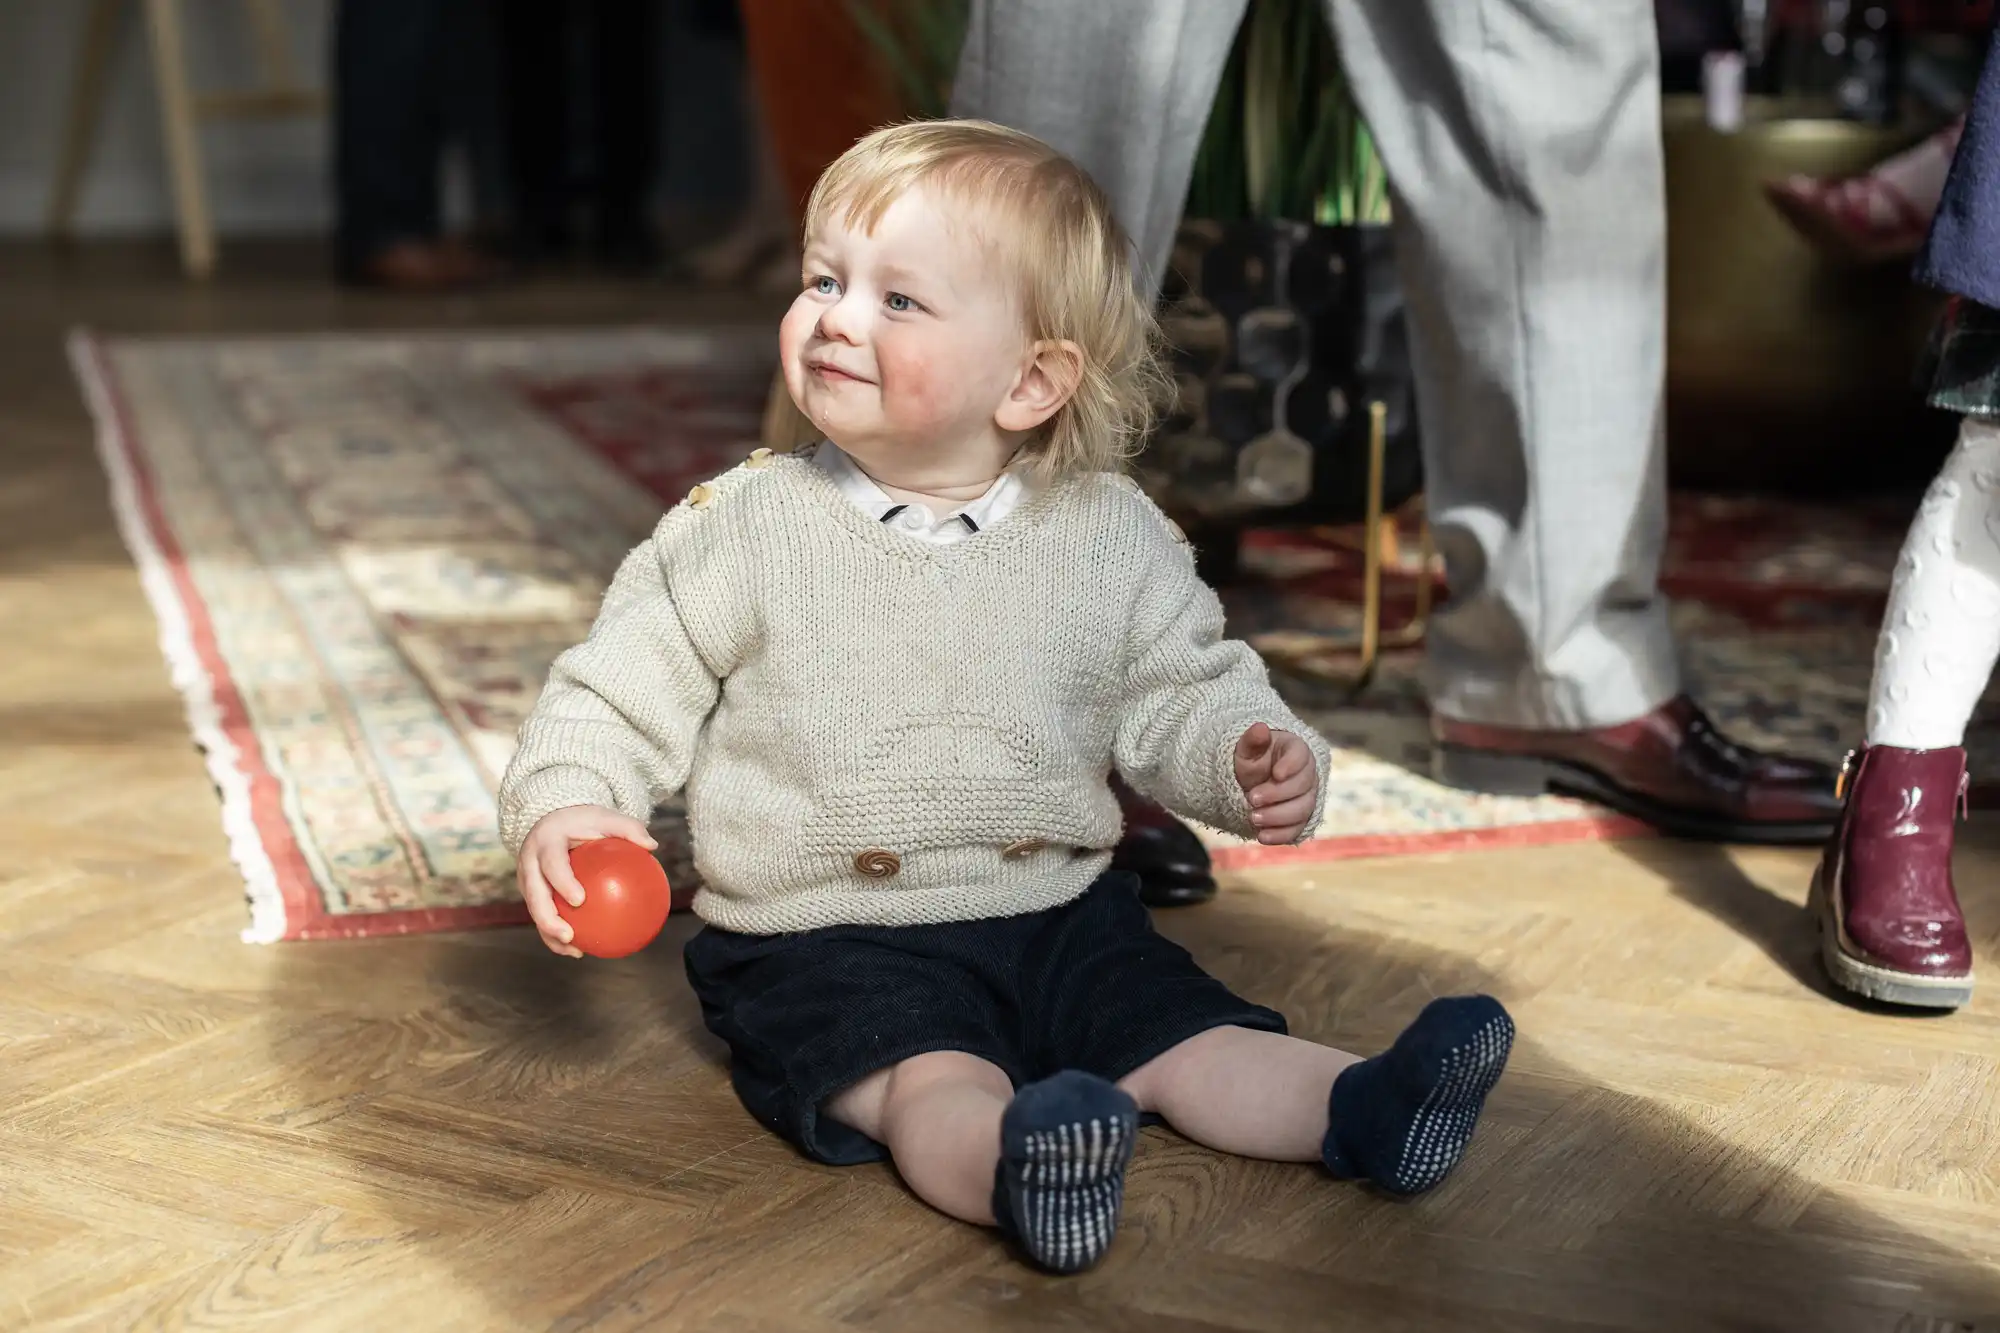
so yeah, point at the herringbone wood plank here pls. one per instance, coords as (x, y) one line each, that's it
(465, 1133)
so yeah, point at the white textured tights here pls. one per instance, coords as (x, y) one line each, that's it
(1942, 633)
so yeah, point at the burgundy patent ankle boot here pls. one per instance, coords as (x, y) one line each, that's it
(1890, 926)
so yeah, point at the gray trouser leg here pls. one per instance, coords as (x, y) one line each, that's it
(1522, 138)
(1121, 86)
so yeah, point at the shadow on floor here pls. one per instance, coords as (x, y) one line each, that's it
(1706, 876)
(1580, 1205)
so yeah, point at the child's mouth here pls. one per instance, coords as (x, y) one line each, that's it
(834, 374)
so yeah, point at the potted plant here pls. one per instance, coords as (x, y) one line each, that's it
(1282, 305)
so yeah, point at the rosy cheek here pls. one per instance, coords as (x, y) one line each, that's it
(916, 386)
(796, 328)
(794, 332)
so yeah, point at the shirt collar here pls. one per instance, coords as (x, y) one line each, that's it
(999, 500)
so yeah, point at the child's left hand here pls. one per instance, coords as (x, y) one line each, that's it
(1280, 780)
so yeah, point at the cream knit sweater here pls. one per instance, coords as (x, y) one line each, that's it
(877, 731)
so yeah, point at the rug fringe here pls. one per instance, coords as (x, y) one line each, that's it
(118, 454)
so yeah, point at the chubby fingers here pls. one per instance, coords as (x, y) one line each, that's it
(1254, 742)
(1254, 750)
(1284, 822)
(555, 867)
(1291, 758)
(613, 825)
(1292, 773)
(555, 931)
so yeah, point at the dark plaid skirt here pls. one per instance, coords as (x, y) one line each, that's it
(1961, 367)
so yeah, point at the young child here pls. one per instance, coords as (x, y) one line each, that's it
(895, 674)
(1890, 924)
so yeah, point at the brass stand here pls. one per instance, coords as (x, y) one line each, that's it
(1304, 654)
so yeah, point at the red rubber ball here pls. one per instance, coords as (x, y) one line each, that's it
(625, 898)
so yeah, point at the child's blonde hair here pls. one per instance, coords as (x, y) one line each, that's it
(1072, 258)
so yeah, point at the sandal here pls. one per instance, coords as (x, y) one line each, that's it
(1870, 218)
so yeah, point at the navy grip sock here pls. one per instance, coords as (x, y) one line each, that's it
(1064, 1145)
(1402, 1120)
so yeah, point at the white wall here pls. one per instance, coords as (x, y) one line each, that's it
(272, 177)
(263, 177)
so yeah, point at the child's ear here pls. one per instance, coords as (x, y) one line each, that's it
(1048, 379)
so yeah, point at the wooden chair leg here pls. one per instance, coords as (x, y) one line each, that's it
(86, 104)
(275, 57)
(177, 118)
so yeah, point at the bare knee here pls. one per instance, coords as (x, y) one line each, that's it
(1149, 1084)
(875, 1103)
(908, 1078)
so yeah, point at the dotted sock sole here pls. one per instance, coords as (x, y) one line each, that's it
(1062, 1170)
(1442, 1127)
(1404, 1119)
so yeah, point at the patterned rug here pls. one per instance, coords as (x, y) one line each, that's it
(364, 552)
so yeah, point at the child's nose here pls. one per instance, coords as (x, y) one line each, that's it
(842, 321)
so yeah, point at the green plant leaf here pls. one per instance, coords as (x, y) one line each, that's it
(1264, 106)
(1283, 139)
(918, 42)
(1308, 69)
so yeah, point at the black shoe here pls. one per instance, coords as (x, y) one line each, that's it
(1170, 862)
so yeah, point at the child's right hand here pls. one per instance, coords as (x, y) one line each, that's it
(544, 864)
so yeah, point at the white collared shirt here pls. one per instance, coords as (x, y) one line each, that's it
(1002, 498)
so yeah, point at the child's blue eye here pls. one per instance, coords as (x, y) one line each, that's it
(898, 301)
(826, 286)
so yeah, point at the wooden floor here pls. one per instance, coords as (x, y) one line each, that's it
(466, 1133)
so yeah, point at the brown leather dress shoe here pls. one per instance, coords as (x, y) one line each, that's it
(1890, 927)
(1670, 768)
(427, 267)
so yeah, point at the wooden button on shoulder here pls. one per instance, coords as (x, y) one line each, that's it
(701, 497)
(877, 863)
(1023, 847)
(758, 458)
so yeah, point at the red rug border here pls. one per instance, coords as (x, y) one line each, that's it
(301, 905)
(1361, 846)
(332, 926)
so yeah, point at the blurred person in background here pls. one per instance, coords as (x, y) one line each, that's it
(1522, 143)
(583, 126)
(1880, 216)
(408, 77)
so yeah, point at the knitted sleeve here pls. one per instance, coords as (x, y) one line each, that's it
(616, 724)
(1190, 694)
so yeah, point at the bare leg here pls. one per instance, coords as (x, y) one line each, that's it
(939, 1115)
(1401, 1120)
(1241, 1091)
(1052, 1157)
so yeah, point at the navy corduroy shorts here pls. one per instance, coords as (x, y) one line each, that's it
(1089, 985)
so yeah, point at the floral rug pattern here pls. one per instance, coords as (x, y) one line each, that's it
(365, 551)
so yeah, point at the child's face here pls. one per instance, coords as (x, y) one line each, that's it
(907, 344)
